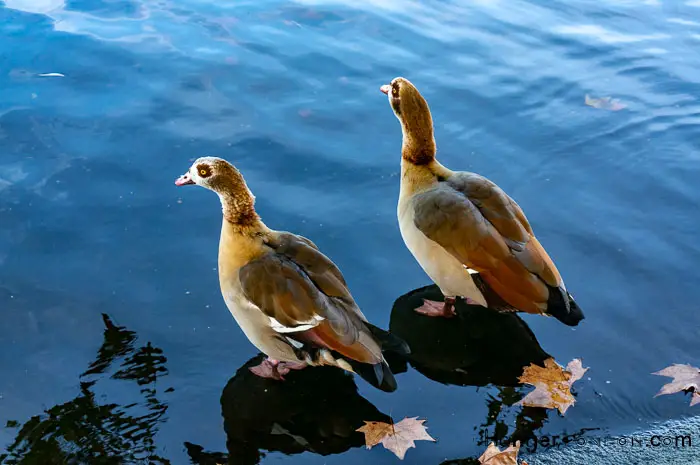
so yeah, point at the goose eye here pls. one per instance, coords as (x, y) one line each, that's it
(203, 171)
(395, 91)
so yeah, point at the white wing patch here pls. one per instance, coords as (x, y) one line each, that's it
(296, 344)
(469, 270)
(302, 326)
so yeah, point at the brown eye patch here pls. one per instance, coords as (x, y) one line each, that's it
(203, 170)
(395, 100)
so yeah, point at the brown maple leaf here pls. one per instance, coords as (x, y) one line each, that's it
(494, 456)
(397, 437)
(552, 384)
(686, 378)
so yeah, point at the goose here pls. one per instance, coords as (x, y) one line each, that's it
(467, 234)
(291, 301)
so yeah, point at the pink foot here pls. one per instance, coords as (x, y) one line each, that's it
(285, 367)
(267, 369)
(437, 309)
(274, 369)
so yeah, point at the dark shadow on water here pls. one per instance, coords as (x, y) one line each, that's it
(476, 348)
(315, 410)
(87, 431)
(479, 347)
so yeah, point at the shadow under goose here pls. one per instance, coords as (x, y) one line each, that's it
(477, 347)
(315, 410)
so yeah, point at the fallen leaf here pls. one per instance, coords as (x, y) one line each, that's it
(552, 384)
(397, 437)
(494, 456)
(686, 378)
(605, 103)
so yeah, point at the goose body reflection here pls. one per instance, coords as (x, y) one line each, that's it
(459, 225)
(476, 348)
(290, 300)
(314, 411)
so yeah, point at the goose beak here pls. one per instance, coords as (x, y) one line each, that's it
(385, 89)
(184, 180)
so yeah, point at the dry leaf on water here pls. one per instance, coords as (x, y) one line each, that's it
(494, 456)
(552, 384)
(686, 378)
(397, 437)
(605, 103)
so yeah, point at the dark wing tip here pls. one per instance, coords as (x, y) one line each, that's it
(378, 375)
(388, 341)
(567, 311)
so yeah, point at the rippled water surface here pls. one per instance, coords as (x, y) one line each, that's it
(114, 337)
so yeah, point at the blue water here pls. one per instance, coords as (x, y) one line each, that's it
(91, 223)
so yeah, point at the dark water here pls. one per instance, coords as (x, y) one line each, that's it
(114, 337)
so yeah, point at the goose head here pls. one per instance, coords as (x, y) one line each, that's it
(222, 177)
(413, 113)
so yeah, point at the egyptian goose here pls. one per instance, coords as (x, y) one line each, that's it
(289, 299)
(467, 234)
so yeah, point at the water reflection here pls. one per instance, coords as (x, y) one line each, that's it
(90, 430)
(476, 348)
(496, 427)
(315, 410)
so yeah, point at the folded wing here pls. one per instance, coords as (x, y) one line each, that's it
(476, 222)
(306, 298)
